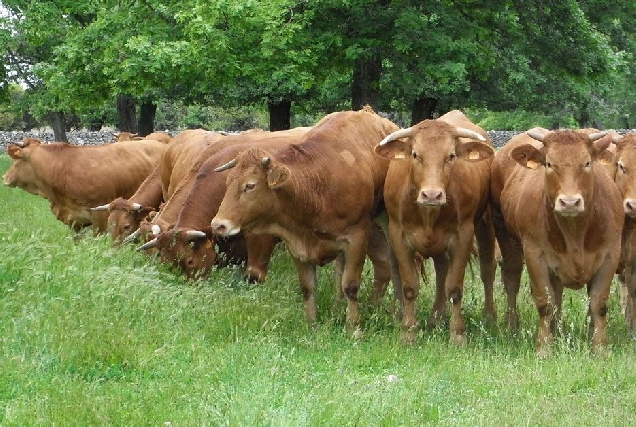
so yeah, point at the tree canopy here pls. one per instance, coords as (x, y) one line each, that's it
(557, 58)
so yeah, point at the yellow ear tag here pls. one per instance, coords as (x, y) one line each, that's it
(399, 156)
(605, 162)
(532, 164)
(473, 155)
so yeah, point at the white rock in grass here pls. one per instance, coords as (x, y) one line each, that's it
(391, 378)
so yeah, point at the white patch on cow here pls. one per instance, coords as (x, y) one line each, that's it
(348, 157)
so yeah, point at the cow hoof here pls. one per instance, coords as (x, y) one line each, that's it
(354, 333)
(512, 323)
(601, 351)
(408, 336)
(544, 351)
(457, 339)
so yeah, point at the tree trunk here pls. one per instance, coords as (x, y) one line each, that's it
(56, 120)
(147, 112)
(365, 85)
(279, 114)
(423, 108)
(127, 119)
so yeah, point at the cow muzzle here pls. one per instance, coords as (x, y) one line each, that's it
(224, 227)
(431, 197)
(569, 205)
(629, 206)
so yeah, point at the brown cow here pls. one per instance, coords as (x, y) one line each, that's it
(436, 193)
(129, 136)
(555, 206)
(125, 215)
(318, 196)
(75, 178)
(624, 168)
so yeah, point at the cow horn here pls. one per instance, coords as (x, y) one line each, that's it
(19, 143)
(148, 245)
(228, 165)
(136, 206)
(265, 161)
(101, 208)
(597, 135)
(397, 135)
(195, 234)
(132, 236)
(467, 133)
(538, 134)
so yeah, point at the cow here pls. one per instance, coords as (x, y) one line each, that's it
(622, 168)
(556, 208)
(75, 178)
(125, 215)
(436, 194)
(318, 196)
(189, 243)
(187, 172)
(129, 136)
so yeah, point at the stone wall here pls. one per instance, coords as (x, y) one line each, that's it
(498, 137)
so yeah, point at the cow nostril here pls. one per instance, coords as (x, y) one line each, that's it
(220, 229)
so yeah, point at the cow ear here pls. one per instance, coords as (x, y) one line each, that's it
(528, 156)
(395, 149)
(276, 176)
(474, 151)
(15, 152)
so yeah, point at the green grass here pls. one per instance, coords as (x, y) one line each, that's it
(92, 335)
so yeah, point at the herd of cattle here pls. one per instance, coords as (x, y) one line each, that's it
(354, 185)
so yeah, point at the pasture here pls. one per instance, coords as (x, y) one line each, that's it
(95, 335)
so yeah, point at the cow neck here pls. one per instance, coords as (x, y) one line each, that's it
(569, 233)
(203, 200)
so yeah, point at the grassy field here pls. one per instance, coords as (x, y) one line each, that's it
(91, 335)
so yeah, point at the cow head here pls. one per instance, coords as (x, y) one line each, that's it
(190, 251)
(625, 173)
(124, 217)
(21, 173)
(568, 160)
(432, 147)
(250, 191)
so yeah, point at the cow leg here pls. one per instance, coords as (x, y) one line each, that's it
(405, 259)
(378, 252)
(454, 284)
(307, 278)
(485, 236)
(438, 312)
(354, 257)
(630, 296)
(511, 268)
(259, 253)
(598, 290)
(544, 299)
(383, 221)
(558, 304)
(338, 270)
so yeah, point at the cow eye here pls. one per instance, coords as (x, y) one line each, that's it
(451, 157)
(248, 187)
(587, 164)
(414, 154)
(548, 165)
(621, 167)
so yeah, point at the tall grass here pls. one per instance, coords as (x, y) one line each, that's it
(93, 335)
